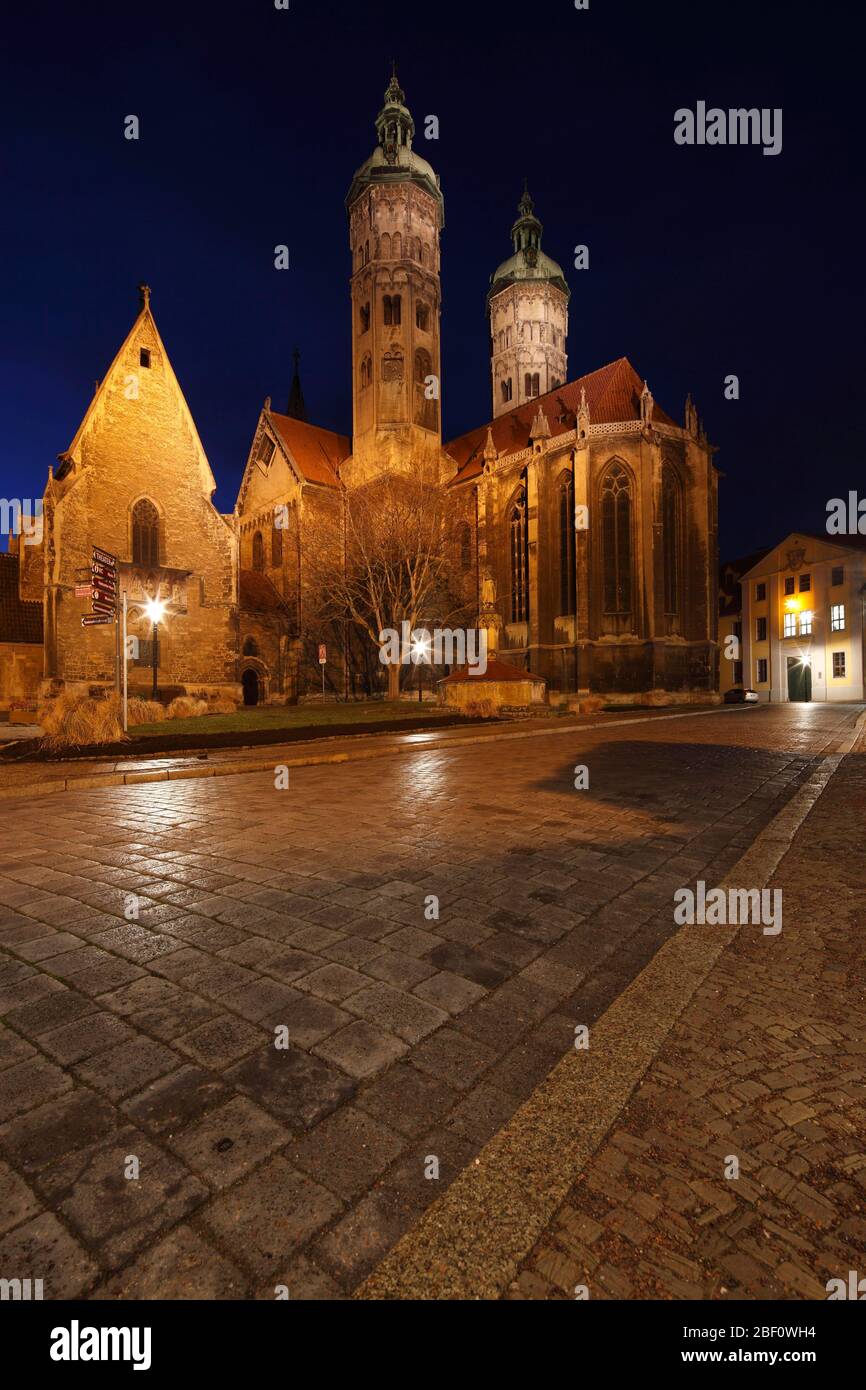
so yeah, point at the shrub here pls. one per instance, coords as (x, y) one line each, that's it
(222, 705)
(185, 707)
(144, 711)
(77, 721)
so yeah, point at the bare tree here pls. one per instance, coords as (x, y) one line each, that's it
(399, 562)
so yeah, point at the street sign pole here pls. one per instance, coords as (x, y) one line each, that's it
(125, 651)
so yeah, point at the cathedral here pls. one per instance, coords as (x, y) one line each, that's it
(583, 516)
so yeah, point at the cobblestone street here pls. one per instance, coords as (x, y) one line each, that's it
(417, 1028)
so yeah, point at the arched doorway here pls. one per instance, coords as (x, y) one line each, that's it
(250, 683)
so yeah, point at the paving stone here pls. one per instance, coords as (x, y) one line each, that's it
(76, 1041)
(334, 982)
(450, 1055)
(407, 1099)
(173, 1101)
(26, 1084)
(396, 1012)
(347, 1151)
(227, 1142)
(118, 1071)
(42, 1249)
(298, 1088)
(221, 1041)
(265, 1220)
(19, 1204)
(401, 971)
(449, 992)
(360, 1049)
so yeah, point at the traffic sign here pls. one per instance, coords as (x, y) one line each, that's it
(323, 654)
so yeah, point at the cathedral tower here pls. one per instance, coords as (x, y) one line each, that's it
(527, 304)
(396, 213)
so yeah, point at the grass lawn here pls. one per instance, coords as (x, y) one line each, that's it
(275, 717)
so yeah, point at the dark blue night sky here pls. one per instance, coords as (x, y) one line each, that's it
(703, 261)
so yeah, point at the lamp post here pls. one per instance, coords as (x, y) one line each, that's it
(155, 610)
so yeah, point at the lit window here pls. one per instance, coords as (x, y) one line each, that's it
(790, 625)
(805, 583)
(837, 617)
(789, 584)
(762, 670)
(761, 630)
(838, 666)
(837, 576)
(806, 624)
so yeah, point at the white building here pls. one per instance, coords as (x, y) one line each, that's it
(803, 620)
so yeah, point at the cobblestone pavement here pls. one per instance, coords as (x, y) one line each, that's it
(765, 1065)
(148, 1045)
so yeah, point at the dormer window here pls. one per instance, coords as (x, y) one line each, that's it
(144, 357)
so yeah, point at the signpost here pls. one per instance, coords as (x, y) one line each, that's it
(101, 589)
(323, 661)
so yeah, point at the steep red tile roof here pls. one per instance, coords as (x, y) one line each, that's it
(20, 621)
(612, 393)
(317, 452)
(256, 593)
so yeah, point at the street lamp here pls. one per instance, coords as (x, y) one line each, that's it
(155, 610)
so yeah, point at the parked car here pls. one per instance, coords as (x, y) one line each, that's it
(740, 695)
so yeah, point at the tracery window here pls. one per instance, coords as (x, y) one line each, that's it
(616, 507)
(145, 533)
(518, 527)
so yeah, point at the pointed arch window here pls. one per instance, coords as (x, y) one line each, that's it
(532, 384)
(422, 316)
(671, 539)
(518, 528)
(423, 365)
(366, 371)
(616, 526)
(392, 310)
(258, 552)
(145, 533)
(567, 573)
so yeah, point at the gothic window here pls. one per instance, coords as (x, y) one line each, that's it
(365, 317)
(616, 504)
(251, 647)
(519, 559)
(465, 547)
(392, 310)
(567, 576)
(536, 384)
(423, 365)
(510, 385)
(385, 247)
(671, 539)
(276, 546)
(145, 533)
(532, 383)
(555, 385)
(258, 552)
(366, 371)
(397, 247)
(422, 316)
(505, 389)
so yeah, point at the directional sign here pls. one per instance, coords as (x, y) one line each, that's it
(83, 591)
(103, 557)
(96, 619)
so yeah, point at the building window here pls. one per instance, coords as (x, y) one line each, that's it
(532, 385)
(251, 647)
(365, 318)
(145, 533)
(671, 540)
(805, 583)
(738, 673)
(506, 388)
(567, 575)
(616, 540)
(761, 629)
(519, 560)
(423, 365)
(422, 317)
(392, 310)
(762, 670)
(265, 451)
(837, 617)
(258, 552)
(760, 593)
(806, 624)
(838, 666)
(276, 546)
(790, 628)
(789, 584)
(366, 372)
(837, 576)
(144, 357)
(738, 631)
